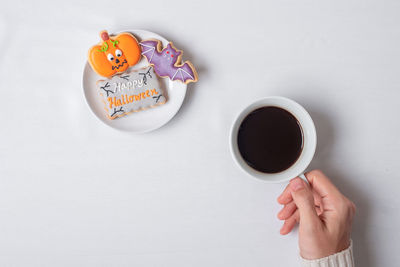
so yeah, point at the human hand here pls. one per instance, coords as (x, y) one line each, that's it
(323, 213)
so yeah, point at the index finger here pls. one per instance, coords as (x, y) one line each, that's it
(321, 183)
(285, 197)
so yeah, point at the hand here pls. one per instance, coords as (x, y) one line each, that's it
(323, 213)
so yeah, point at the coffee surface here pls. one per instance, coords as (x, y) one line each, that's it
(270, 139)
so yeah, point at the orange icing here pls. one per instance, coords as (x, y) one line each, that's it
(125, 99)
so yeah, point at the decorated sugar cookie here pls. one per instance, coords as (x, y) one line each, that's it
(130, 92)
(114, 54)
(167, 61)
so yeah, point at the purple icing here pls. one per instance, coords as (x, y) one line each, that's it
(166, 62)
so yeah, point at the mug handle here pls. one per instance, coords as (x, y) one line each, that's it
(302, 176)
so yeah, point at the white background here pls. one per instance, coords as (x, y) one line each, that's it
(74, 192)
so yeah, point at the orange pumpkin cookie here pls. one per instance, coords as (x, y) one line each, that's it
(114, 54)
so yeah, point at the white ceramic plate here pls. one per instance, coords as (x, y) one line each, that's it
(143, 121)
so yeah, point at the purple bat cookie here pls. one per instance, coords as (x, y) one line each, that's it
(167, 62)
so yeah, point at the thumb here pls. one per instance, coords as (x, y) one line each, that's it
(304, 200)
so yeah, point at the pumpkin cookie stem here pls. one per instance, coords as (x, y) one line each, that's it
(104, 35)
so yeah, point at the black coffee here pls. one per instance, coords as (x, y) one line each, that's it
(270, 139)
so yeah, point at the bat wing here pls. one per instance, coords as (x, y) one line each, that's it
(185, 73)
(149, 49)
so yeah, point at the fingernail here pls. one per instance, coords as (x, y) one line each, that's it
(279, 215)
(296, 184)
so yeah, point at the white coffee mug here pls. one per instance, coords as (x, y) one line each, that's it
(309, 139)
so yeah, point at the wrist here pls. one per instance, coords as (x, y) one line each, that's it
(343, 258)
(323, 248)
(343, 245)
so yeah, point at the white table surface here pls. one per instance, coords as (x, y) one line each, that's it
(74, 192)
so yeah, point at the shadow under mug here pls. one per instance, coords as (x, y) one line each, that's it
(309, 139)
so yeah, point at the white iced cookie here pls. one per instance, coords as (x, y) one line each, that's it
(130, 92)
